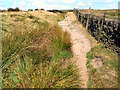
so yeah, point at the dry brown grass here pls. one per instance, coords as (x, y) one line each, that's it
(34, 50)
(72, 17)
(43, 15)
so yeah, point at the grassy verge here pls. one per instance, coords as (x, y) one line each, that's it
(36, 53)
(113, 18)
(102, 65)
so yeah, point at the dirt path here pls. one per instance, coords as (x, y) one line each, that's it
(81, 45)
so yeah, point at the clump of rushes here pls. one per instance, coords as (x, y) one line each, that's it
(31, 17)
(37, 56)
(52, 75)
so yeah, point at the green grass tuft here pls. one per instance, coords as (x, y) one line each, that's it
(105, 76)
(36, 55)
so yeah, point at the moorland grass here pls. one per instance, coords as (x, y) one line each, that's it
(36, 55)
(105, 76)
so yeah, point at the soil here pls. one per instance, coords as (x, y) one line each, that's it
(80, 45)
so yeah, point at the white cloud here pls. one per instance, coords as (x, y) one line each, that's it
(1, 4)
(41, 4)
(14, 3)
(102, 8)
(90, 4)
(109, 1)
(113, 6)
(22, 3)
(51, 0)
(37, 3)
(34, 0)
(56, 6)
(3, 8)
(68, 1)
(81, 4)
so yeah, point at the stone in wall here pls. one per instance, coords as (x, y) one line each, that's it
(110, 35)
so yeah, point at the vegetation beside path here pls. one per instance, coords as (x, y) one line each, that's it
(36, 52)
(102, 65)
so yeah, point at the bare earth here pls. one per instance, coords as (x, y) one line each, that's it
(81, 45)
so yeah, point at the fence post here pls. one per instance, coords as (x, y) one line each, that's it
(81, 18)
(78, 15)
(87, 21)
(88, 18)
(101, 27)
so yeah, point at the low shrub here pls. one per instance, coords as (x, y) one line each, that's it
(11, 9)
(30, 9)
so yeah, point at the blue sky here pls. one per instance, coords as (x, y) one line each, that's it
(59, 4)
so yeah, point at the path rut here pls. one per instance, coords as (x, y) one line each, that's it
(81, 45)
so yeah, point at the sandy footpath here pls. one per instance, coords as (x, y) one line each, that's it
(81, 45)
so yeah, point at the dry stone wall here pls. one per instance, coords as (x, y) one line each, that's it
(106, 31)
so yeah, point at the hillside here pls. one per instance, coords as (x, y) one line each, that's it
(36, 52)
(42, 49)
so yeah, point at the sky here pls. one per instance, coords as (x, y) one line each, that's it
(59, 4)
